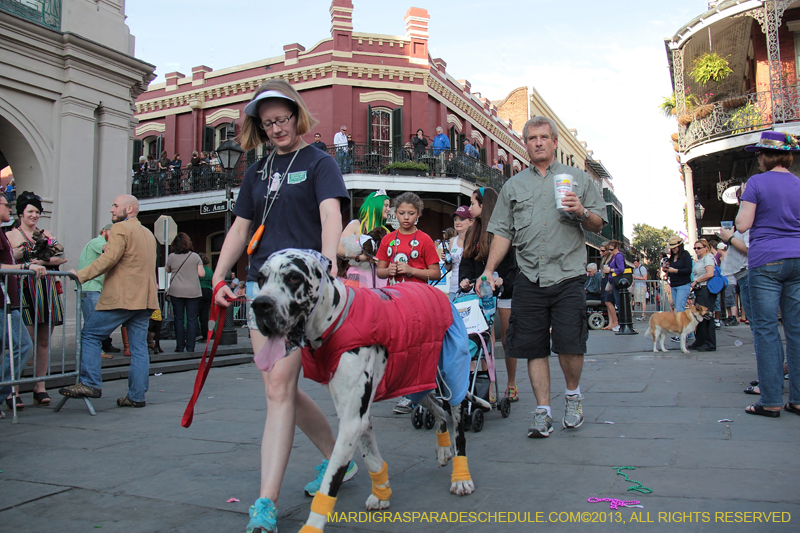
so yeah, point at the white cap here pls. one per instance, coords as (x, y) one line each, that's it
(252, 108)
(721, 246)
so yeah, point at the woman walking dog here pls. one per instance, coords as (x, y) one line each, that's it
(289, 199)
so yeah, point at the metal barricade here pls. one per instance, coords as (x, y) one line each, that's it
(649, 297)
(33, 310)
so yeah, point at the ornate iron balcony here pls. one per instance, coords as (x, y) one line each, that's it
(358, 159)
(736, 115)
(44, 12)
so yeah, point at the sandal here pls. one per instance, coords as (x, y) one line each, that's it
(41, 398)
(512, 394)
(758, 409)
(20, 404)
(789, 408)
(752, 390)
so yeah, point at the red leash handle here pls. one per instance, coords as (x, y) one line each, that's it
(217, 316)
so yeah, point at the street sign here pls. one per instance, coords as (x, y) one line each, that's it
(165, 229)
(209, 208)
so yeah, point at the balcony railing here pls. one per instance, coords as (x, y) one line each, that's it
(359, 159)
(611, 198)
(44, 12)
(735, 115)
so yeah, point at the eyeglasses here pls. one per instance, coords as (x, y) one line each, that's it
(266, 126)
(699, 247)
(602, 249)
(6, 204)
(344, 129)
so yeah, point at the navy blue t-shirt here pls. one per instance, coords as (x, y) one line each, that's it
(293, 220)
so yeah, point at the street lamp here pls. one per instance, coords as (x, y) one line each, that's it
(229, 153)
(699, 211)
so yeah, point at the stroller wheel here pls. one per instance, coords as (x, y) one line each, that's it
(504, 407)
(477, 421)
(429, 420)
(417, 419)
(596, 321)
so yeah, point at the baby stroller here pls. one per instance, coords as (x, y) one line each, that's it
(481, 382)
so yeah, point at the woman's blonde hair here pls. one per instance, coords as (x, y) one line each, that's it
(252, 136)
(705, 243)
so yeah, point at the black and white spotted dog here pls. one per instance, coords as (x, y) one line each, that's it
(299, 300)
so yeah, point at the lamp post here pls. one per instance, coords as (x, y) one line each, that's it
(699, 211)
(229, 153)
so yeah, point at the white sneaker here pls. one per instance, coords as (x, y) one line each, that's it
(403, 407)
(573, 415)
(615, 328)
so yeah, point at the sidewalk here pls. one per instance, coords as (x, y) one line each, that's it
(137, 470)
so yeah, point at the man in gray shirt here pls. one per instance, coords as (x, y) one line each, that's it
(551, 254)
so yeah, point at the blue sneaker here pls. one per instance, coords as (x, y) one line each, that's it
(263, 517)
(312, 488)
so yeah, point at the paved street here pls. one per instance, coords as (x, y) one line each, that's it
(137, 470)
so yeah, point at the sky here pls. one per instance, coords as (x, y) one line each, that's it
(601, 66)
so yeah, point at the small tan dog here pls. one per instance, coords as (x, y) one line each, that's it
(682, 323)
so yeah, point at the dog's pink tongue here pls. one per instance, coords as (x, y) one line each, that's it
(273, 351)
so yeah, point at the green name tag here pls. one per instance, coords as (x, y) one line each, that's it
(296, 177)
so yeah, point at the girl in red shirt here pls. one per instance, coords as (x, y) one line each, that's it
(408, 254)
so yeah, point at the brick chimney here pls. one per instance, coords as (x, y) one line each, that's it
(199, 74)
(342, 25)
(172, 80)
(417, 30)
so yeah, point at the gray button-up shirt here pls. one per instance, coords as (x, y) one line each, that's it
(550, 244)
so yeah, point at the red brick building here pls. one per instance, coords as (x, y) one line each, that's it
(383, 87)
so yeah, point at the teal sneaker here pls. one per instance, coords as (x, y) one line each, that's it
(263, 517)
(313, 486)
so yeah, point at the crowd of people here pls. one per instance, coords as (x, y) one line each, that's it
(538, 275)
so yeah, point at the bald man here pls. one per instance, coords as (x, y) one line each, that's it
(128, 298)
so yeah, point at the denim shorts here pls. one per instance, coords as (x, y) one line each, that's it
(251, 287)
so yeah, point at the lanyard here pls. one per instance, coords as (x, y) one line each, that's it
(269, 202)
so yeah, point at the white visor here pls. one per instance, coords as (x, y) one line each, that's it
(251, 109)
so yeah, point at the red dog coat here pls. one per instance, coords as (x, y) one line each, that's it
(409, 319)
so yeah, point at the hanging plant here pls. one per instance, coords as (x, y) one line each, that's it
(668, 106)
(674, 137)
(703, 111)
(685, 120)
(676, 147)
(710, 67)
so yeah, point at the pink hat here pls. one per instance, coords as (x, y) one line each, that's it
(463, 212)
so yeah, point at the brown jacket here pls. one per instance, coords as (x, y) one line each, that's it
(129, 263)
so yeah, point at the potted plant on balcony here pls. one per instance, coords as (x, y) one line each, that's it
(734, 101)
(710, 67)
(406, 168)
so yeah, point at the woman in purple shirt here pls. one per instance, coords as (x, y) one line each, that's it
(770, 209)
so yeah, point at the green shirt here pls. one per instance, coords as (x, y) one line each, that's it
(205, 281)
(549, 243)
(92, 251)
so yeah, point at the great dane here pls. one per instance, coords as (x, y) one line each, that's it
(300, 304)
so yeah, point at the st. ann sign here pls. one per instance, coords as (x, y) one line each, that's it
(210, 208)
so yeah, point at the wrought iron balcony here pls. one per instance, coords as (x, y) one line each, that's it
(44, 12)
(358, 159)
(611, 198)
(736, 115)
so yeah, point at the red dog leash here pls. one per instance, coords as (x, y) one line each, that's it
(217, 317)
